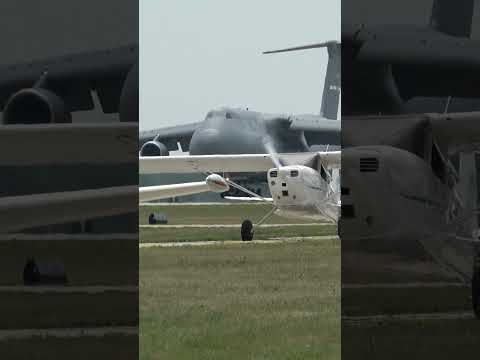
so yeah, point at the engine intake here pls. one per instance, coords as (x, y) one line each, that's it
(153, 148)
(35, 106)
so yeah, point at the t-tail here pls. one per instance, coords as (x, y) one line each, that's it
(332, 86)
(452, 17)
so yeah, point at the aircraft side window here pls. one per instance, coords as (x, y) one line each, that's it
(294, 173)
(228, 115)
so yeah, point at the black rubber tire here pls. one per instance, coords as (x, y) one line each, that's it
(476, 294)
(247, 230)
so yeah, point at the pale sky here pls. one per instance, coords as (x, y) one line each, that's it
(199, 55)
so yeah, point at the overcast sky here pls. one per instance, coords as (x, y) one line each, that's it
(199, 55)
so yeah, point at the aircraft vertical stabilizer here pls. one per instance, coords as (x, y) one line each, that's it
(332, 86)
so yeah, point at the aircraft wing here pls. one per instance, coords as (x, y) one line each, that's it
(27, 211)
(26, 146)
(170, 136)
(149, 193)
(234, 163)
(73, 76)
(54, 144)
(418, 56)
(456, 130)
(317, 129)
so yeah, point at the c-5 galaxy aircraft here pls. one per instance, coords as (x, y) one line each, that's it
(238, 131)
(394, 69)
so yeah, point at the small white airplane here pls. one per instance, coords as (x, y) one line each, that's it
(302, 185)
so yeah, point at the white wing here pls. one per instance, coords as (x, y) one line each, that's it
(234, 163)
(149, 193)
(26, 211)
(213, 182)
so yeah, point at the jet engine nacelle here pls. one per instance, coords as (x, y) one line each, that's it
(35, 106)
(153, 148)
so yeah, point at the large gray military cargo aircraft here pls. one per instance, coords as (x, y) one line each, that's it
(394, 69)
(241, 131)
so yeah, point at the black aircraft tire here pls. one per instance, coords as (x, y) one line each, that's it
(476, 294)
(247, 230)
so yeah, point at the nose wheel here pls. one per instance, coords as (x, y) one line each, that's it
(247, 230)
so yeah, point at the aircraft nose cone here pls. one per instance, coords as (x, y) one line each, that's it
(205, 142)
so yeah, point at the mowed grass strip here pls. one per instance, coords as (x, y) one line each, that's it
(155, 235)
(214, 214)
(419, 339)
(258, 302)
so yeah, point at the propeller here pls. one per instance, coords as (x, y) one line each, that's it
(269, 146)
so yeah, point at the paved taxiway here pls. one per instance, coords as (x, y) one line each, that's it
(237, 242)
(181, 226)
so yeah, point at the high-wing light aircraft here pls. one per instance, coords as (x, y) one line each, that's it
(239, 131)
(414, 179)
(304, 185)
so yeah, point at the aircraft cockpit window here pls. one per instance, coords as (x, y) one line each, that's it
(228, 115)
(210, 114)
(273, 173)
(294, 173)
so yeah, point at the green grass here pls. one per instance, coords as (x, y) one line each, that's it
(159, 234)
(53, 310)
(433, 339)
(119, 347)
(109, 262)
(216, 214)
(255, 302)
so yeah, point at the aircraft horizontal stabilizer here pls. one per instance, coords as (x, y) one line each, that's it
(303, 47)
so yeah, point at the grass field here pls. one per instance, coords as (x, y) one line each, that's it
(151, 235)
(249, 302)
(245, 302)
(217, 214)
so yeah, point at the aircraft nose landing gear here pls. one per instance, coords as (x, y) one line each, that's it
(247, 230)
